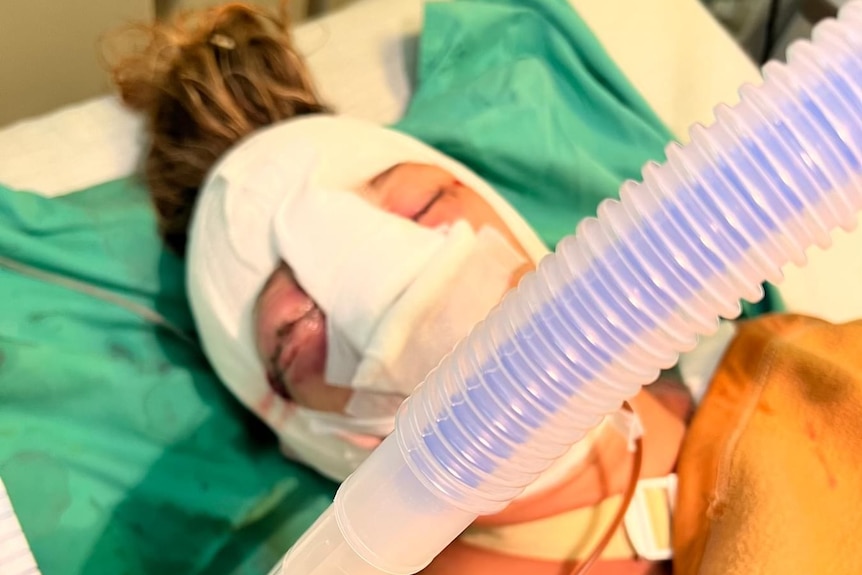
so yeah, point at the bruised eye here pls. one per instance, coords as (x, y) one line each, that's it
(288, 342)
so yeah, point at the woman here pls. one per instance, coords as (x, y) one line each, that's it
(255, 195)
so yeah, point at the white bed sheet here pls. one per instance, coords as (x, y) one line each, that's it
(363, 57)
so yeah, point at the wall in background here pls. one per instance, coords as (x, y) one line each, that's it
(49, 48)
(298, 8)
(49, 51)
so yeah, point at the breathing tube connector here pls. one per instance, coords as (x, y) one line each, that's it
(615, 304)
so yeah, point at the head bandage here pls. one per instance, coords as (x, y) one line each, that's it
(235, 246)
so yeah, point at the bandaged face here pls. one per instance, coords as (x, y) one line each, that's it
(290, 329)
(386, 253)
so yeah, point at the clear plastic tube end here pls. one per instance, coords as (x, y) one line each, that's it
(322, 550)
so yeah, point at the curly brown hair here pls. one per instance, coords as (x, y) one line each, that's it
(203, 81)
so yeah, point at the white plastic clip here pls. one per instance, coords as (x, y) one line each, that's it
(628, 424)
(648, 518)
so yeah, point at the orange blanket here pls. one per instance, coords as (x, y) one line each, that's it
(769, 472)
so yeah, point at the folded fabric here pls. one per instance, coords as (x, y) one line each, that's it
(769, 473)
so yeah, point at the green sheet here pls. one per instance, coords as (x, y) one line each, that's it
(521, 91)
(120, 450)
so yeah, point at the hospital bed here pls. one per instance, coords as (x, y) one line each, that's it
(674, 53)
(363, 56)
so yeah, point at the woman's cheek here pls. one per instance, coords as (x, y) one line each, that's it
(308, 386)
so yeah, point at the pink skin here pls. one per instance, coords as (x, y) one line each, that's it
(290, 330)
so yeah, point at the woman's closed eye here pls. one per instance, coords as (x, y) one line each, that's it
(428, 205)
